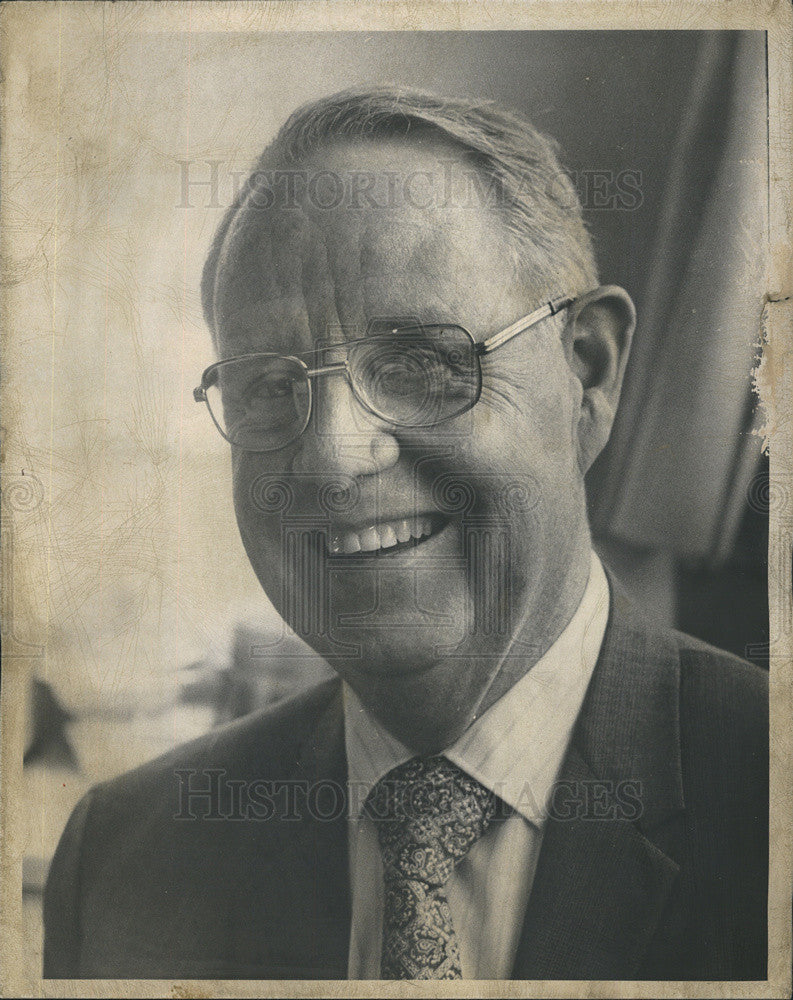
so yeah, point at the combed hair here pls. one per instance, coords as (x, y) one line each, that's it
(536, 199)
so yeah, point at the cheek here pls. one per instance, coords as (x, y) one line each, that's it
(261, 498)
(531, 406)
(522, 460)
(243, 476)
(532, 432)
(553, 401)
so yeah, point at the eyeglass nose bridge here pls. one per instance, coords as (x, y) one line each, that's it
(338, 368)
(346, 368)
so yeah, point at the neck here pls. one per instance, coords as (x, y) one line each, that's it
(513, 665)
(430, 712)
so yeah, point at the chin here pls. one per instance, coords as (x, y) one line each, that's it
(396, 630)
(427, 710)
(358, 654)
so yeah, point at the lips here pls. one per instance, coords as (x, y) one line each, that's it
(384, 536)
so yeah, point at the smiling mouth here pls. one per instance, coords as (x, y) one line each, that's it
(385, 537)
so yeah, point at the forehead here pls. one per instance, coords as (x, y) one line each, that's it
(409, 237)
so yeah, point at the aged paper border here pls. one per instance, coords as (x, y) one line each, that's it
(22, 23)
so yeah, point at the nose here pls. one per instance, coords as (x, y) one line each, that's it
(343, 436)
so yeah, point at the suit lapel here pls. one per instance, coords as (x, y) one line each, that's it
(602, 880)
(302, 931)
(320, 845)
(598, 892)
(323, 836)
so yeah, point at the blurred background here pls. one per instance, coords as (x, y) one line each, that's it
(132, 620)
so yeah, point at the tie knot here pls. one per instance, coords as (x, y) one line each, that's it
(428, 815)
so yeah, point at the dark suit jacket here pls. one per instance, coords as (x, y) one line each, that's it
(672, 888)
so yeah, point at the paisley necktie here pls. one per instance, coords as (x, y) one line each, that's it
(428, 815)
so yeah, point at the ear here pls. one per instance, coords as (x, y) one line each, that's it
(596, 341)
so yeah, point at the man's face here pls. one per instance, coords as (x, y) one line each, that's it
(407, 557)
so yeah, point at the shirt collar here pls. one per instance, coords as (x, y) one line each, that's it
(516, 747)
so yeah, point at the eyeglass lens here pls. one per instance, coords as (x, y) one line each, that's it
(414, 379)
(260, 403)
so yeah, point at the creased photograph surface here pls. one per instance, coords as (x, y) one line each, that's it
(396, 524)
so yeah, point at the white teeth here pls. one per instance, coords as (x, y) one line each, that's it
(351, 544)
(402, 529)
(387, 537)
(369, 539)
(379, 536)
(420, 526)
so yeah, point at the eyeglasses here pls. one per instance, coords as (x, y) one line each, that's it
(414, 376)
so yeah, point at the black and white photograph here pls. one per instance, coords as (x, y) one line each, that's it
(396, 511)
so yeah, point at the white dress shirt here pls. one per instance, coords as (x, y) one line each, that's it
(515, 749)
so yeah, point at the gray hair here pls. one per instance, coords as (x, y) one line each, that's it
(537, 201)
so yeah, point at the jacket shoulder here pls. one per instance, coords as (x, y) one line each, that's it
(262, 745)
(724, 734)
(145, 839)
(723, 691)
(709, 681)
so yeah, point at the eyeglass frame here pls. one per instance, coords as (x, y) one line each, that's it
(487, 346)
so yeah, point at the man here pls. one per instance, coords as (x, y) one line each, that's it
(514, 775)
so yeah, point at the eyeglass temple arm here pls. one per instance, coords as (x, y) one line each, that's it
(549, 309)
(484, 347)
